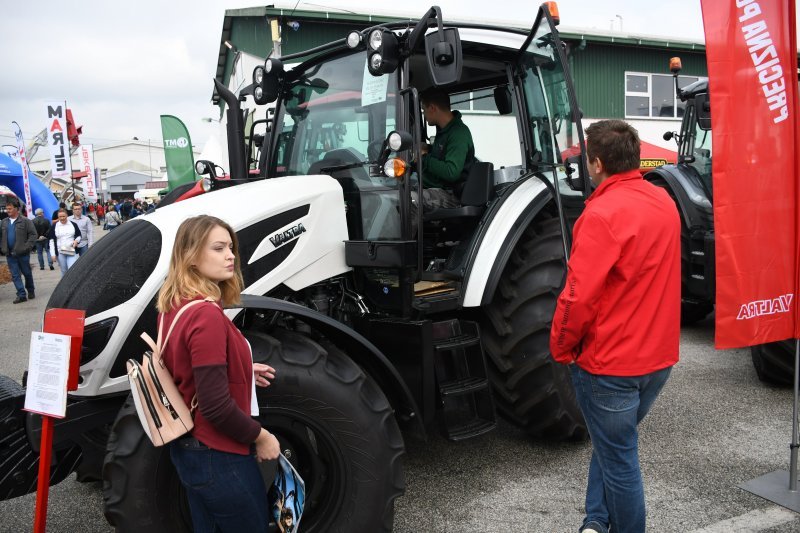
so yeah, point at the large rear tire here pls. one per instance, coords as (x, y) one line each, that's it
(774, 362)
(332, 421)
(531, 389)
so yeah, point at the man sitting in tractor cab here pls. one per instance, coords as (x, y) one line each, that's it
(446, 163)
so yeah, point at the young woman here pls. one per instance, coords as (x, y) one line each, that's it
(64, 237)
(212, 365)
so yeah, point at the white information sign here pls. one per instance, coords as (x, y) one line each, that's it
(48, 368)
(373, 88)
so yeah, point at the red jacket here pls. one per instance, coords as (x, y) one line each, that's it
(204, 336)
(619, 312)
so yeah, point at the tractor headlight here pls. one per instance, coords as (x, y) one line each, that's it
(375, 39)
(258, 93)
(258, 75)
(383, 52)
(354, 39)
(394, 167)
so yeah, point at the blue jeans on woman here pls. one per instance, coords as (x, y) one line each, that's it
(613, 407)
(226, 492)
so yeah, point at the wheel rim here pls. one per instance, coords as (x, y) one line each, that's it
(317, 457)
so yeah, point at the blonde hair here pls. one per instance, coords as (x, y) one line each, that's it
(184, 281)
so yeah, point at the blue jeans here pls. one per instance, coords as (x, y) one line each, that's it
(226, 492)
(82, 250)
(41, 247)
(613, 407)
(20, 265)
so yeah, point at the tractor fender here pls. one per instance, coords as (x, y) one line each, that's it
(358, 348)
(501, 228)
(693, 202)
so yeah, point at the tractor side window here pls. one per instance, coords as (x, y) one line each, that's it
(702, 154)
(554, 132)
(486, 124)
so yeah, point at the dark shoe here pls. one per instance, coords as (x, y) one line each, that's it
(51, 267)
(19, 300)
(31, 295)
(41, 268)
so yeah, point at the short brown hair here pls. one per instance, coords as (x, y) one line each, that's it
(184, 281)
(437, 97)
(615, 143)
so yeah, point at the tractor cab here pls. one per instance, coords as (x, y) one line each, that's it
(694, 139)
(351, 110)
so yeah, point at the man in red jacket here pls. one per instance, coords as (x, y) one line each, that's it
(617, 321)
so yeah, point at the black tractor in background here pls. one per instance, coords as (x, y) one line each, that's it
(689, 183)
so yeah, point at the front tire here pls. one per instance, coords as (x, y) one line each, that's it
(531, 389)
(332, 421)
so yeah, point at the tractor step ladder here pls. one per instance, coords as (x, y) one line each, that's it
(468, 408)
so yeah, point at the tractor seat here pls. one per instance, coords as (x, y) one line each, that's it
(476, 193)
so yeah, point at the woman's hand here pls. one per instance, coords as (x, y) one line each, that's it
(262, 374)
(267, 447)
(74, 244)
(54, 258)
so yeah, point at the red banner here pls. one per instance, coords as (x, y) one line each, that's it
(752, 68)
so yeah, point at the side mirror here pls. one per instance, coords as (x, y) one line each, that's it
(443, 52)
(502, 99)
(703, 109)
(576, 183)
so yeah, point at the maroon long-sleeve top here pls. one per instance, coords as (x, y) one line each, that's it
(208, 356)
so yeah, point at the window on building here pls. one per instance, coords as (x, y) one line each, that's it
(653, 95)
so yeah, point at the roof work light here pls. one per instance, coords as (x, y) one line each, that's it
(382, 52)
(266, 80)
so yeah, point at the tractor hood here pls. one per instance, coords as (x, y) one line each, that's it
(291, 231)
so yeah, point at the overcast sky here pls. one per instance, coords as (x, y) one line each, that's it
(119, 65)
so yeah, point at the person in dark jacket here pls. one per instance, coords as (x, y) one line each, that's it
(617, 321)
(17, 239)
(42, 228)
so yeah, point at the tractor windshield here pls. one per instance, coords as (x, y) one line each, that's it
(335, 112)
(333, 120)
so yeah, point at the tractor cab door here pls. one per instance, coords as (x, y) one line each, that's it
(555, 151)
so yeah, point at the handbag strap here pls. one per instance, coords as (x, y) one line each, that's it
(161, 344)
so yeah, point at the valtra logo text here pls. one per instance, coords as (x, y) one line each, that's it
(781, 304)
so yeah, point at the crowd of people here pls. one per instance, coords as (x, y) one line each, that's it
(61, 239)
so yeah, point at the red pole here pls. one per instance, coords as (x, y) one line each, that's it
(43, 484)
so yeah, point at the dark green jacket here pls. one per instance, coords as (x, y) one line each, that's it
(451, 155)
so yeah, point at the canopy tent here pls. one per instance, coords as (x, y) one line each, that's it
(11, 177)
(651, 156)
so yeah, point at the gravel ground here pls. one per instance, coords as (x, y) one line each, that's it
(714, 426)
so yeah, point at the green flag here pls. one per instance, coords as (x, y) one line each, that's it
(177, 151)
